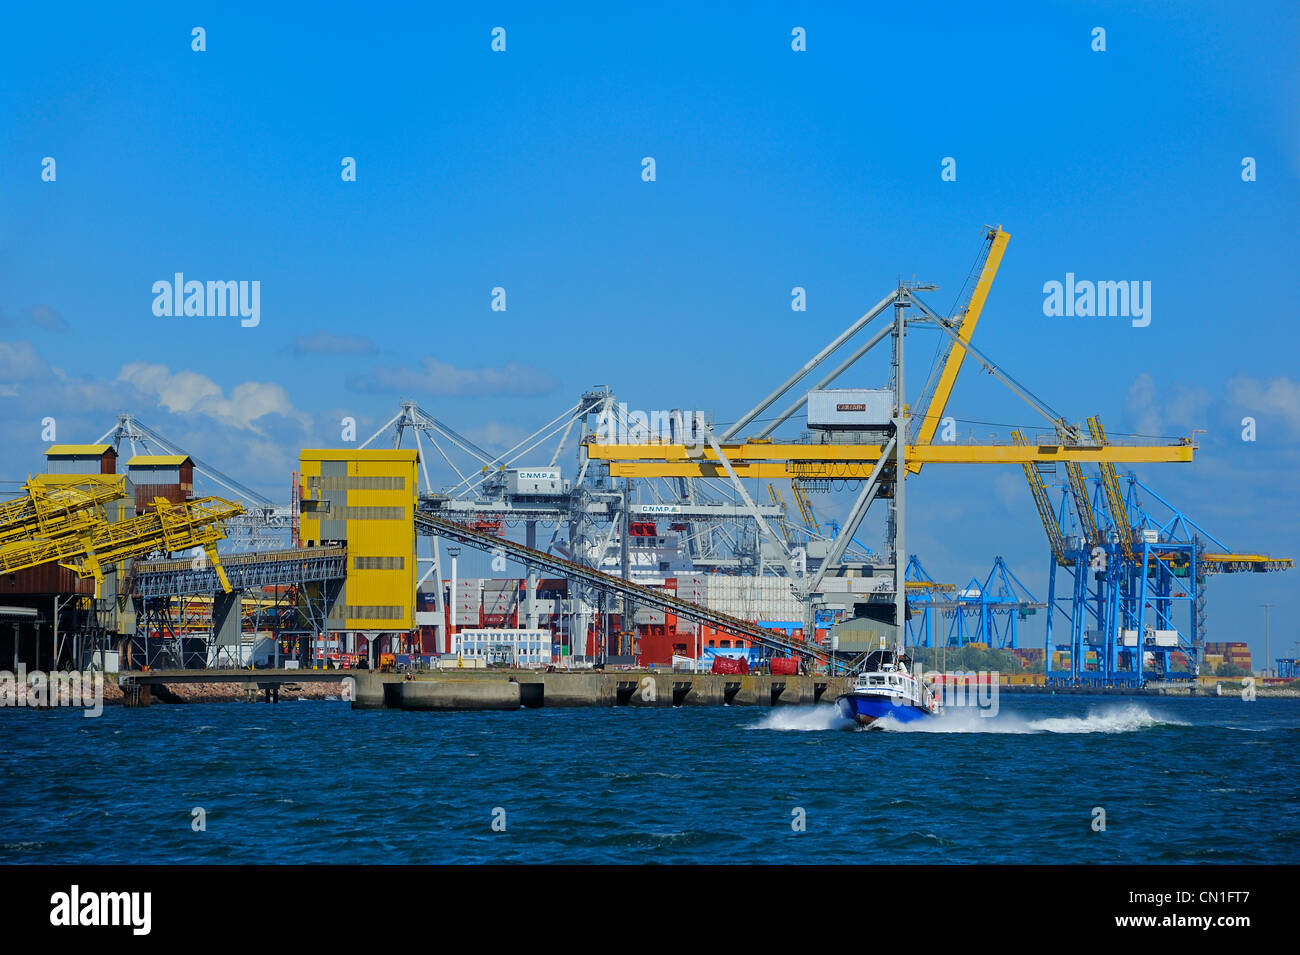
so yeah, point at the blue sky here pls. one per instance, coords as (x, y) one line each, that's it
(522, 169)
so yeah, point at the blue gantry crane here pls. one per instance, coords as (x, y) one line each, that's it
(1127, 582)
(985, 612)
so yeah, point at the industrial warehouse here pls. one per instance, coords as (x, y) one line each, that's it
(655, 550)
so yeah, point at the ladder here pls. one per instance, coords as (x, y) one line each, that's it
(1079, 488)
(1045, 512)
(1114, 494)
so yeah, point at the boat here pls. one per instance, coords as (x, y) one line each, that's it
(886, 688)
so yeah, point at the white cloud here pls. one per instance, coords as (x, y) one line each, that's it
(1143, 403)
(1279, 397)
(1185, 406)
(42, 316)
(1010, 489)
(189, 392)
(436, 377)
(1177, 408)
(497, 435)
(325, 343)
(19, 362)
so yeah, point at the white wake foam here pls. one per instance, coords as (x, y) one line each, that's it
(805, 719)
(1125, 718)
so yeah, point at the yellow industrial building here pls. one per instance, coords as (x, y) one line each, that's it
(366, 500)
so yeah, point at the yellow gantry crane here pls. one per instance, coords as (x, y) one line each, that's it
(878, 453)
(759, 457)
(84, 542)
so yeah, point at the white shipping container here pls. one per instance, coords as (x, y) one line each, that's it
(535, 482)
(850, 408)
(499, 602)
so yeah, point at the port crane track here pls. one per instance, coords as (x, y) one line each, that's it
(426, 523)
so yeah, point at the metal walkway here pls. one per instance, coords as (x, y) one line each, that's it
(648, 596)
(252, 571)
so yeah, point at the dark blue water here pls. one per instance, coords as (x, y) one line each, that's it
(1181, 780)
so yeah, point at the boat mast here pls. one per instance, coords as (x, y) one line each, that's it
(900, 472)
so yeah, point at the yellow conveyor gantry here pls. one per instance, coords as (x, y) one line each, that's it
(51, 510)
(86, 545)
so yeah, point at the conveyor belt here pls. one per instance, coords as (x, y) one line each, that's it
(440, 527)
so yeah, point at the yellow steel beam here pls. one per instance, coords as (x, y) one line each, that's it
(1244, 559)
(957, 353)
(854, 461)
(870, 453)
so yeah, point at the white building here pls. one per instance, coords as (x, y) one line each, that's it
(509, 647)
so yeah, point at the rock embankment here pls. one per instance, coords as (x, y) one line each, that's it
(226, 692)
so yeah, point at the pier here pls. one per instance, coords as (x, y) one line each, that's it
(512, 689)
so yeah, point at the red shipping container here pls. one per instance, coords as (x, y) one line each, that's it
(784, 666)
(730, 665)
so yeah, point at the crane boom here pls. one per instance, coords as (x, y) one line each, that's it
(779, 501)
(805, 506)
(956, 353)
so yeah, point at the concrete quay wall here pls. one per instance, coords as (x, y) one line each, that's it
(512, 689)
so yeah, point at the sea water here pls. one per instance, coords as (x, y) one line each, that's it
(1061, 779)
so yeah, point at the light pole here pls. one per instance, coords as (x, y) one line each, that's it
(454, 552)
(1266, 649)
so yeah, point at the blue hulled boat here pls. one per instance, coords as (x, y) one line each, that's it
(886, 688)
